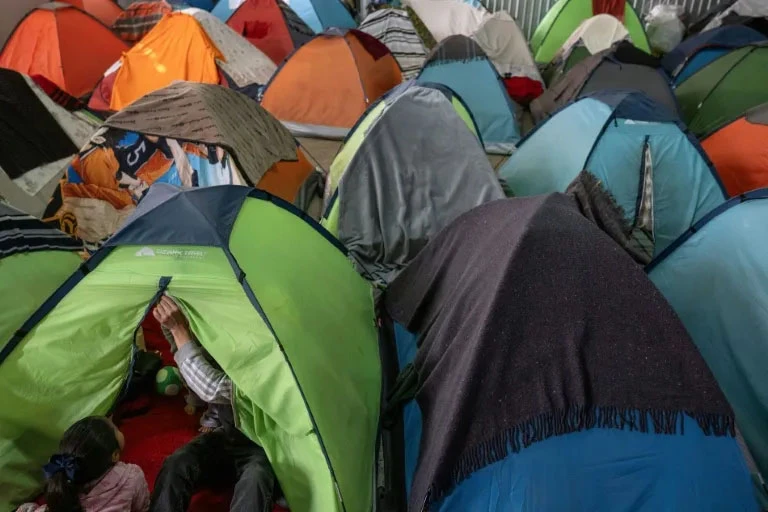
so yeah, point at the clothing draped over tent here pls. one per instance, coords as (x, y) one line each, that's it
(532, 324)
(394, 28)
(22, 233)
(39, 137)
(187, 134)
(417, 168)
(29, 135)
(622, 67)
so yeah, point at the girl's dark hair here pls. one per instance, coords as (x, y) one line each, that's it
(92, 442)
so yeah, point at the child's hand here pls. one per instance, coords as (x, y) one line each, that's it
(168, 314)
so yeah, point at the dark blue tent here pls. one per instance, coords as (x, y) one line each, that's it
(697, 51)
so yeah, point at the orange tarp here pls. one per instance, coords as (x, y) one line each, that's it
(178, 48)
(106, 11)
(739, 152)
(63, 44)
(330, 81)
(284, 179)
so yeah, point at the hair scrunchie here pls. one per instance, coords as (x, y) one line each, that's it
(58, 463)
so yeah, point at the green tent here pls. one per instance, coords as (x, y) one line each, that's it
(270, 295)
(566, 15)
(725, 89)
(34, 260)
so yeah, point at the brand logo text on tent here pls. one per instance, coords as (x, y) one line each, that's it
(176, 253)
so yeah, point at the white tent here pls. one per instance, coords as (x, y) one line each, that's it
(504, 43)
(445, 18)
(497, 34)
(596, 34)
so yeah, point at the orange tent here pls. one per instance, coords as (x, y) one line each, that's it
(67, 46)
(178, 48)
(271, 26)
(327, 84)
(106, 11)
(739, 151)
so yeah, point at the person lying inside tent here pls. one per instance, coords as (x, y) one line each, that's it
(222, 457)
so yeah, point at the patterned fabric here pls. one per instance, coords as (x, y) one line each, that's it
(395, 29)
(210, 384)
(211, 115)
(456, 48)
(21, 233)
(533, 324)
(424, 33)
(29, 135)
(243, 62)
(138, 19)
(641, 237)
(59, 96)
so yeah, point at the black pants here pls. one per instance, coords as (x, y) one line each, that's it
(215, 459)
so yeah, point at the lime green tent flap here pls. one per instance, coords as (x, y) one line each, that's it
(322, 315)
(350, 146)
(304, 360)
(724, 90)
(565, 16)
(26, 280)
(73, 364)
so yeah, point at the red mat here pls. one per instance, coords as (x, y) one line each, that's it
(154, 435)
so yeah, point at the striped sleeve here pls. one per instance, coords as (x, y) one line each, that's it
(210, 384)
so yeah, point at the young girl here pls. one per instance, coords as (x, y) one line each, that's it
(86, 474)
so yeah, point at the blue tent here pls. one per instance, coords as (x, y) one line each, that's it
(697, 51)
(224, 10)
(321, 15)
(715, 276)
(459, 63)
(638, 152)
(206, 5)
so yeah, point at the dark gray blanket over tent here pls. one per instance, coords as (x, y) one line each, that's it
(532, 324)
(417, 169)
(622, 66)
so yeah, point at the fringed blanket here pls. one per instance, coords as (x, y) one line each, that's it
(533, 323)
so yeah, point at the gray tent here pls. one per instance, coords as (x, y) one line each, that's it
(621, 67)
(417, 167)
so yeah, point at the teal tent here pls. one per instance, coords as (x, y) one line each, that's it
(716, 278)
(634, 154)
